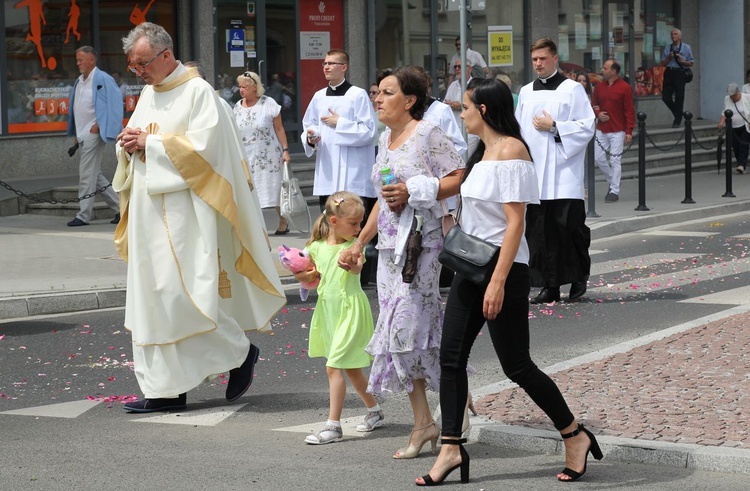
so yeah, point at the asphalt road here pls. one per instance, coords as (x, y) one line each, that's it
(640, 284)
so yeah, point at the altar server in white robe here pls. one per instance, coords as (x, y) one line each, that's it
(199, 268)
(339, 127)
(558, 122)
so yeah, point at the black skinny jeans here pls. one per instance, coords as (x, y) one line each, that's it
(510, 336)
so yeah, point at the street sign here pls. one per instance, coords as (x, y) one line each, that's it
(455, 5)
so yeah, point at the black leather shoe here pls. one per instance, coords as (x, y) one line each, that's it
(577, 290)
(116, 219)
(547, 295)
(241, 378)
(153, 405)
(76, 222)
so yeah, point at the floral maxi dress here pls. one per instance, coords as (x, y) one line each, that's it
(406, 342)
(262, 147)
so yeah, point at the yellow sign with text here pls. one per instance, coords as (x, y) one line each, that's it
(500, 47)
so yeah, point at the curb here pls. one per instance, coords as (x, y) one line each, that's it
(71, 302)
(689, 456)
(58, 303)
(604, 229)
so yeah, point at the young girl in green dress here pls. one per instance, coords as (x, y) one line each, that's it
(342, 324)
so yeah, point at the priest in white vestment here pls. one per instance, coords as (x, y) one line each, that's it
(557, 121)
(200, 272)
(339, 127)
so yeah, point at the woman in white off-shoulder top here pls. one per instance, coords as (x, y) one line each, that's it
(499, 181)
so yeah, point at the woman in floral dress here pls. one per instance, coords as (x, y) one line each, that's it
(259, 121)
(406, 342)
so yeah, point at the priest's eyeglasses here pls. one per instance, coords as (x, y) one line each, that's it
(142, 66)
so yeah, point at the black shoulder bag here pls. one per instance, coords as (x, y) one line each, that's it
(469, 256)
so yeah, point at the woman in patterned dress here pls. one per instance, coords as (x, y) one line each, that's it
(259, 121)
(406, 342)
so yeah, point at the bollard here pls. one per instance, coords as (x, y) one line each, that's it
(688, 158)
(641, 163)
(728, 125)
(591, 182)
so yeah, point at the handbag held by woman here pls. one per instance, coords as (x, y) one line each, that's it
(469, 256)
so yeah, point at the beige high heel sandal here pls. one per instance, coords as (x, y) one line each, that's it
(469, 407)
(412, 451)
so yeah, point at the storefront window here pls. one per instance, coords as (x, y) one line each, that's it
(590, 34)
(653, 27)
(41, 40)
(409, 42)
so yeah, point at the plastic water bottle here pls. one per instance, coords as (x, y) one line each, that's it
(387, 176)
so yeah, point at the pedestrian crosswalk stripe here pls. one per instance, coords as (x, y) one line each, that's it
(348, 426)
(199, 417)
(679, 233)
(675, 279)
(62, 410)
(637, 262)
(735, 296)
(743, 236)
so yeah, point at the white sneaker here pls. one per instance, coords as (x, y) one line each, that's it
(329, 434)
(373, 419)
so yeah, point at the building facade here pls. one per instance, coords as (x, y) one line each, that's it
(285, 41)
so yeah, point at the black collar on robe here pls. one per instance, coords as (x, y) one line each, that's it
(340, 90)
(552, 83)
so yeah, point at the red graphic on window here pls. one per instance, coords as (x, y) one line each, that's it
(138, 16)
(40, 107)
(130, 102)
(36, 19)
(73, 14)
(62, 106)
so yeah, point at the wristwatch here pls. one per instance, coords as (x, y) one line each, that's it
(553, 128)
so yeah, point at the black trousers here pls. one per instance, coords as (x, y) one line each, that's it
(559, 242)
(740, 145)
(673, 91)
(509, 332)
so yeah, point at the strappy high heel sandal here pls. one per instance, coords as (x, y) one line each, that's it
(412, 451)
(593, 449)
(464, 465)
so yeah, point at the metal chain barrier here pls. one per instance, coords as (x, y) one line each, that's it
(52, 201)
(624, 150)
(653, 144)
(719, 138)
(665, 149)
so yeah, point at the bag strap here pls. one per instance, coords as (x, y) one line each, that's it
(738, 112)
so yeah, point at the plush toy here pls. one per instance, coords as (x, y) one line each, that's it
(296, 260)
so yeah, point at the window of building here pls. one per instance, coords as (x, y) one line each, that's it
(41, 38)
(632, 32)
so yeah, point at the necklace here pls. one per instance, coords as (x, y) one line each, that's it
(403, 128)
(499, 139)
(488, 147)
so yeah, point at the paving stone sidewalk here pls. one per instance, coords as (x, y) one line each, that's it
(692, 387)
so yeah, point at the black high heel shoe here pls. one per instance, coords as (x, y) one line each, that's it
(593, 449)
(464, 465)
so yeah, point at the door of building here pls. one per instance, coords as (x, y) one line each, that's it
(270, 49)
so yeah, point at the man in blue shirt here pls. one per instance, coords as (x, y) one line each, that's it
(95, 119)
(677, 58)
